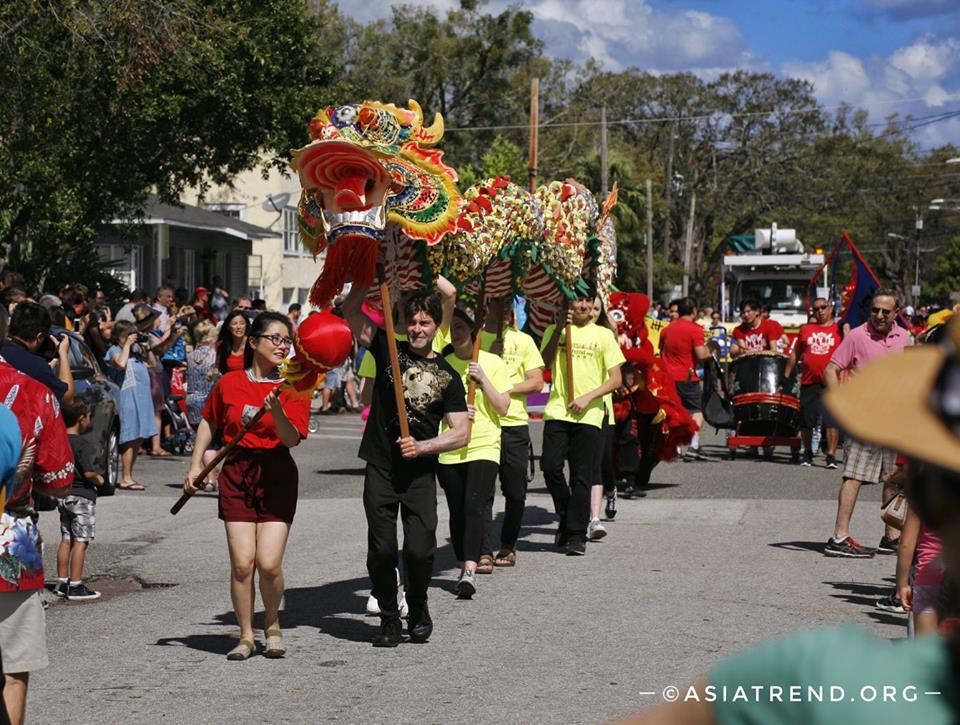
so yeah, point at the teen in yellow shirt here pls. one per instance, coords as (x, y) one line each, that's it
(468, 475)
(572, 432)
(524, 365)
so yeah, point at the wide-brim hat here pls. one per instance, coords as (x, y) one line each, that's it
(908, 402)
(144, 315)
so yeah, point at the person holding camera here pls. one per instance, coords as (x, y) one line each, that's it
(31, 350)
(127, 361)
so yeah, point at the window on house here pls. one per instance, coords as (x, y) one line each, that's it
(288, 293)
(232, 210)
(291, 232)
(254, 271)
(303, 295)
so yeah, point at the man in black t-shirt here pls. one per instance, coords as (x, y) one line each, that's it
(400, 472)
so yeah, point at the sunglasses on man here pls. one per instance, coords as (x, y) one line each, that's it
(881, 310)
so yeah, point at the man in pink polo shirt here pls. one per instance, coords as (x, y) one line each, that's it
(878, 336)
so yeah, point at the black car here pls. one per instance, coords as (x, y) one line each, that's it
(102, 395)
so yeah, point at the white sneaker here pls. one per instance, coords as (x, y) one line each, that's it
(596, 530)
(373, 606)
(404, 609)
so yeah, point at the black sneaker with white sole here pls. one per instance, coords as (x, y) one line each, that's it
(81, 593)
(806, 459)
(890, 604)
(888, 546)
(848, 548)
(832, 462)
(610, 510)
(60, 589)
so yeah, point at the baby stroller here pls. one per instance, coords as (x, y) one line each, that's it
(174, 412)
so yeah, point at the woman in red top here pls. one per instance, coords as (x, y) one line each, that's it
(231, 343)
(258, 482)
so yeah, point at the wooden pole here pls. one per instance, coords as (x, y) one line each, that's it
(534, 129)
(668, 192)
(650, 240)
(394, 355)
(604, 170)
(688, 244)
(569, 361)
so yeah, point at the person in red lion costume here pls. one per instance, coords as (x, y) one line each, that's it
(650, 419)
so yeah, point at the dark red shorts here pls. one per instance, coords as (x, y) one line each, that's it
(258, 484)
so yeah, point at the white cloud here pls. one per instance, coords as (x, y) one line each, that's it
(918, 79)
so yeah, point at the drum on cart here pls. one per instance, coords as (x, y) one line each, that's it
(766, 406)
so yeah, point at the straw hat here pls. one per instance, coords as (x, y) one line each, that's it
(908, 402)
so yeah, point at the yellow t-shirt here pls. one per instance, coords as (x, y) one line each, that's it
(368, 366)
(484, 442)
(595, 351)
(520, 354)
(608, 403)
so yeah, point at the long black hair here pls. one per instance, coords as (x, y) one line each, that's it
(260, 324)
(225, 339)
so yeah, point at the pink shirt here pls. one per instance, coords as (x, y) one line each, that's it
(929, 561)
(863, 345)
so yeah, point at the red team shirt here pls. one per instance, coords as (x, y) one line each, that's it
(677, 343)
(815, 346)
(235, 398)
(757, 339)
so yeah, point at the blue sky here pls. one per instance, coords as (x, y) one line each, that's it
(884, 55)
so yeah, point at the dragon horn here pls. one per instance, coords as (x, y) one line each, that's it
(608, 204)
(427, 135)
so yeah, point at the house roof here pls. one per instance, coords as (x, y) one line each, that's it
(195, 217)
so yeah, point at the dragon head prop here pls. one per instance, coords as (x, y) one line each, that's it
(368, 165)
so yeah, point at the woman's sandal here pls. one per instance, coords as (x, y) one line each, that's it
(485, 565)
(131, 487)
(274, 648)
(244, 650)
(506, 557)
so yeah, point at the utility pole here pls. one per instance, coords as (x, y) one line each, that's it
(688, 244)
(649, 236)
(534, 128)
(603, 153)
(668, 190)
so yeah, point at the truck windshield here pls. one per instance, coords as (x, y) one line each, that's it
(780, 294)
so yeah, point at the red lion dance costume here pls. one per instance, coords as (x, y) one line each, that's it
(650, 419)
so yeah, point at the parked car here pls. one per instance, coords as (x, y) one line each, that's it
(92, 385)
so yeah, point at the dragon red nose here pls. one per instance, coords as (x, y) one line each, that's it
(350, 193)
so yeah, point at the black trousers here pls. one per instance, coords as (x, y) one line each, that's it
(414, 495)
(605, 452)
(636, 437)
(514, 459)
(468, 487)
(576, 444)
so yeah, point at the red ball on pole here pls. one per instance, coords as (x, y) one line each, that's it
(323, 341)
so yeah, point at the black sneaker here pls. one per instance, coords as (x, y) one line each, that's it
(419, 625)
(60, 589)
(807, 458)
(888, 546)
(890, 604)
(832, 462)
(847, 548)
(610, 510)
(561, 537)
(80, 593)
(577, 546)
(389, 634)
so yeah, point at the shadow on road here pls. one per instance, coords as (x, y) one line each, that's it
(340, 471)
(218, 644)
(814, 546)
(859, 593)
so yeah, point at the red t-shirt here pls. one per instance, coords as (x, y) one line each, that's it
(757, 339)
(815, 345)
(236, 397)
(677, 342)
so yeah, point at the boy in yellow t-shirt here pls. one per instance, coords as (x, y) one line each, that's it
(468, 475)
(572, 432)
(524, 364)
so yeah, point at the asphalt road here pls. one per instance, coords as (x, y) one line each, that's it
(718, 556)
